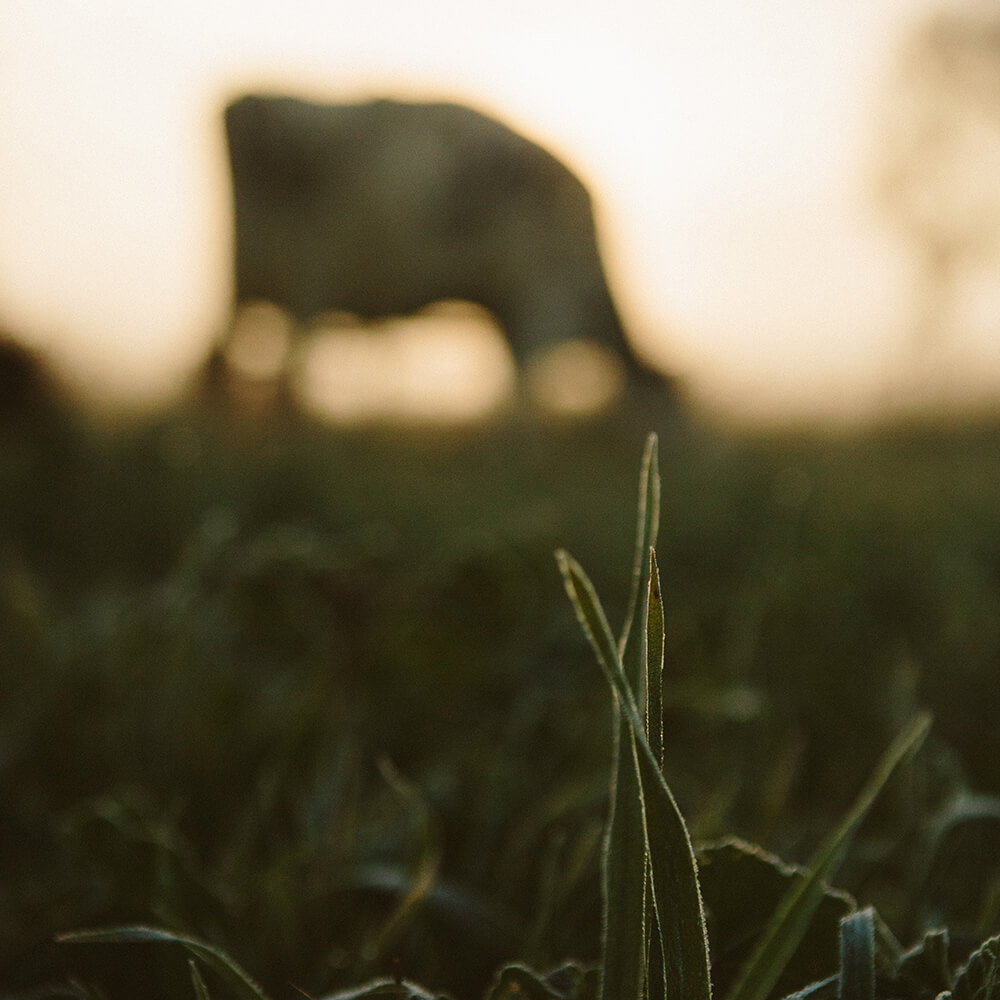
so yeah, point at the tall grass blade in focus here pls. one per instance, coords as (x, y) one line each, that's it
(655, 634)
(680, 920)
(645, 540)
(673, 873)
(668, 858)
(652, 895)
(625, 917)
(654, 645)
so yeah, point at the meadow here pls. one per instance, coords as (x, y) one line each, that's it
(312, 707)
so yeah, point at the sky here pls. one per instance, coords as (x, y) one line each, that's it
(730, 146)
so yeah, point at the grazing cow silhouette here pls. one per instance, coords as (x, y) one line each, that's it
(382, 208)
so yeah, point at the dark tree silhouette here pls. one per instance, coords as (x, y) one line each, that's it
(939, 181)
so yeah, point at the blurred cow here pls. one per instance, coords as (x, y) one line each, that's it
(381, 208)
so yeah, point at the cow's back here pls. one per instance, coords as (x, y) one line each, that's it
(381, 207)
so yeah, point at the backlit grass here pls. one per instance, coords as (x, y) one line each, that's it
(312, 711)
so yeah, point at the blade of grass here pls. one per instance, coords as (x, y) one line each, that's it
(980, 979)
(672, 867)
(654, 661)
(624, 917)
(646, 532)
(782, 935)
(625, 914)
(213, 957)
(428, 866)
(857, 956)
(654, 961)
(200, 989)
(387, 988)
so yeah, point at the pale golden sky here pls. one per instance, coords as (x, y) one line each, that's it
(728, 143)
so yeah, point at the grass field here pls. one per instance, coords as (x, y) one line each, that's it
(317, 697)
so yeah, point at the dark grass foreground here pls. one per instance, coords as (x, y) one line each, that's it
(316, 701)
